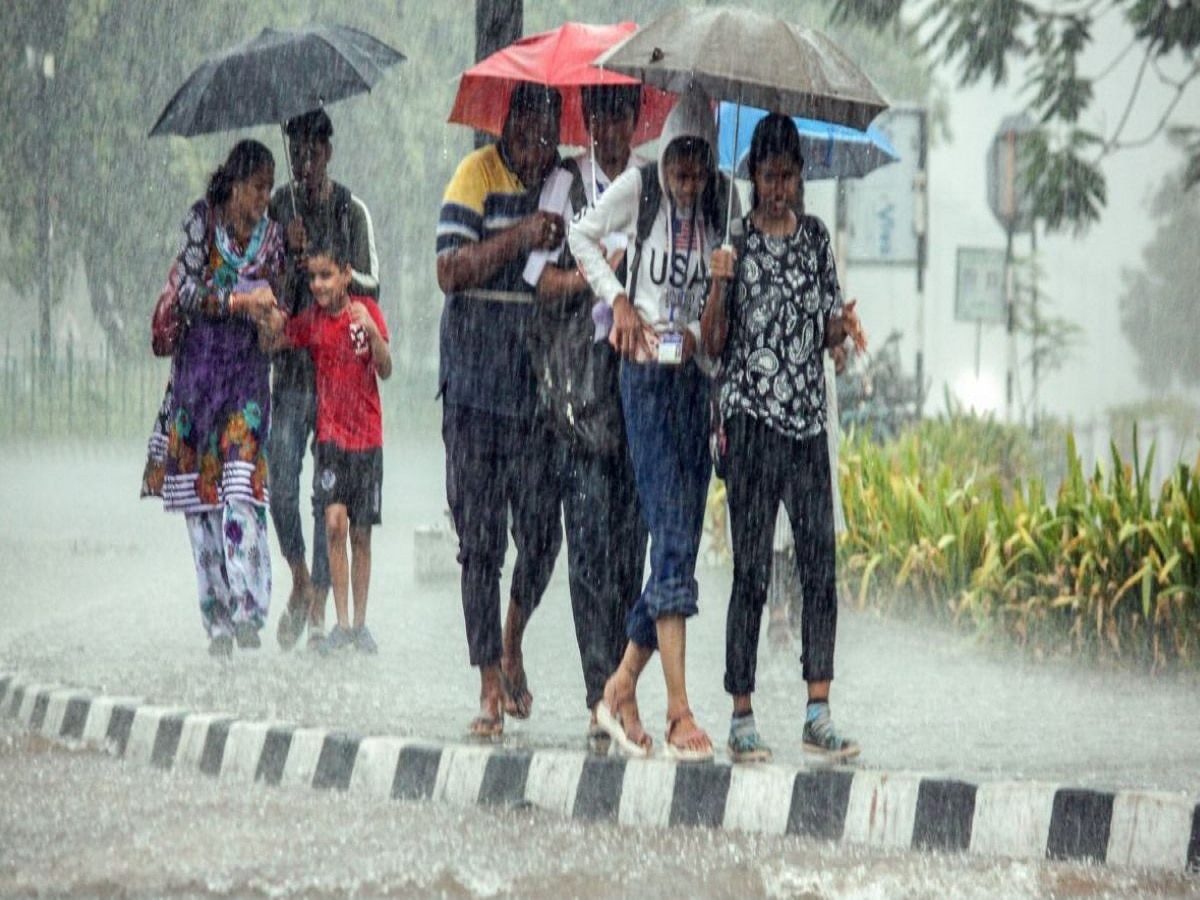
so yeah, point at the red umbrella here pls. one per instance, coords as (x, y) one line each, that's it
(560, 58)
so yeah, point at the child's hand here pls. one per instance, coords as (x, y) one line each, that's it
(362, 318)
(256, 304)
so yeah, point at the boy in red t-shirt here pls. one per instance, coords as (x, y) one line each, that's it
(348, 340)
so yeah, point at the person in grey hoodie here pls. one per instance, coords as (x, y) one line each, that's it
(665, 396)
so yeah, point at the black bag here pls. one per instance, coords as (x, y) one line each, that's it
(578, 391)
(578, 387)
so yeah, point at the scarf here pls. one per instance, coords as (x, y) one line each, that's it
(226, 274)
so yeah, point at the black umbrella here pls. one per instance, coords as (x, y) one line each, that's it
(277, 75)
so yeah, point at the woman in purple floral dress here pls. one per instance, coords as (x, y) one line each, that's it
(218, 410)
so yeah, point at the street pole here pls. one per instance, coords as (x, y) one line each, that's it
(497, 24)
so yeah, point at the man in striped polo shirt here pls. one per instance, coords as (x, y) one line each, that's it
(498, 455)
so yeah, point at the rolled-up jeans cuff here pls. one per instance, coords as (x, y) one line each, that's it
(672, 600)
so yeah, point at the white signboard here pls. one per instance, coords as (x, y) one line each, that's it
(979, 286)
(879, 208)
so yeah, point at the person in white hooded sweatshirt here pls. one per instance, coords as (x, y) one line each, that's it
(665, 396)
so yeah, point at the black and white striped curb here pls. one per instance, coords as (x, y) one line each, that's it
(1028, 820)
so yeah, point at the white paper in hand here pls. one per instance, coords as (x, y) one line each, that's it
(555, 198)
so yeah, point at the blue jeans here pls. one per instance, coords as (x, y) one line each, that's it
(666, 420)
(293, 420)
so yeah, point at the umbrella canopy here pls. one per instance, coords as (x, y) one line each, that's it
(830, 151)
(758, 60)
(560, 58)
(275, 76)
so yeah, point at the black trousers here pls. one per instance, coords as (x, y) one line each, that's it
(496, 465)
(606, 555)
(765, 468)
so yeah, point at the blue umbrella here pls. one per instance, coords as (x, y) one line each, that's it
(830, 151)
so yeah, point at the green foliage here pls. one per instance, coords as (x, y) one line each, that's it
(940, 524)
(988, 38)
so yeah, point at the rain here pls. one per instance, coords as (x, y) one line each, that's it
(975, 642)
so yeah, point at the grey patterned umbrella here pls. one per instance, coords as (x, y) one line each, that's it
(746, 57)
(277, 75)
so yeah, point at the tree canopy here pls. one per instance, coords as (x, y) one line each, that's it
(1043, 43)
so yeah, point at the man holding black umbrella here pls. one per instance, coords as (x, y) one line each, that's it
(310, 207)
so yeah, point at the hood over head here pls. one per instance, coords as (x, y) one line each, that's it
(691, 117)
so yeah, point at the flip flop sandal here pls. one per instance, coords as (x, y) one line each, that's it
(615, 729)
(685, 754)
(518, 702)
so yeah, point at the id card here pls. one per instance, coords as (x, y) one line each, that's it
(670, 348)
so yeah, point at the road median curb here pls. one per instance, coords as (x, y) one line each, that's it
(895, 810)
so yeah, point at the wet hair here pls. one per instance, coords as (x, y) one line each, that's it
(312, 127)
(246, 158)
(774, 135)
(333, 243)
(613, 100)
(689, 148)
(529, 98)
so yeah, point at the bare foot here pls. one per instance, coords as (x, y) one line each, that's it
(489, 724)
(518, 702)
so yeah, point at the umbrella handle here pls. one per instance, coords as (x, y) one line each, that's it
(737, 118)
(287, 156)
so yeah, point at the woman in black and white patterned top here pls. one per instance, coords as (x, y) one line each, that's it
(773, 310)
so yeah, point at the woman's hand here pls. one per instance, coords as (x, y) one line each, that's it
(853, 324)
(839, 356)
(721, 264)
(628, 336)
(847, 325)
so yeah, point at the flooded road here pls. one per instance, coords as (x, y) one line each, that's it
(82, 824)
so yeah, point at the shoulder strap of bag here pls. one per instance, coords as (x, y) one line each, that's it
(648, 205)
